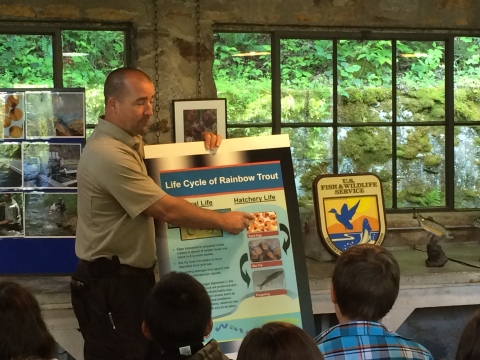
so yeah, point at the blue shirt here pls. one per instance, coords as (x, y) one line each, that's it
(361, 340)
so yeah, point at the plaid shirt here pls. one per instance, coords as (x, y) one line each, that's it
(361, 340)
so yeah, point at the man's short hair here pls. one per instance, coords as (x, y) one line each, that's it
(115, 84)
(177, 311)
(366, 281)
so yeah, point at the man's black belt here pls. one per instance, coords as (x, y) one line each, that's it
(103, 267)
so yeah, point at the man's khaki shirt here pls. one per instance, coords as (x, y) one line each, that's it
(113, 191)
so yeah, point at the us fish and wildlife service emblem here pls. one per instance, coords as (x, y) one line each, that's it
(349, 210)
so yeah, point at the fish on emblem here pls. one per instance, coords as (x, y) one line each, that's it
(431, 226)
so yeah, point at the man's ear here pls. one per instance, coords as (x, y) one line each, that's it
(332, 294)
(208, 329)
(112, 103)
(145, 331)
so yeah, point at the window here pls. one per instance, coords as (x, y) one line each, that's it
(87, 56)
(243, 76)
(403, 106)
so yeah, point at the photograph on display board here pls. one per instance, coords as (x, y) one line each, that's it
(47, 165)
(10, 165)
(265, 223)
(11, 214)
(13, 104)
(268, 280)
(55, 114)
(264, 250)
(50, 214)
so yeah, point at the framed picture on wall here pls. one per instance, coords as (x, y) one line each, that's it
(194, 117)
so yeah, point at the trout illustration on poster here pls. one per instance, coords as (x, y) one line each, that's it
(258, 275)
(349, 210)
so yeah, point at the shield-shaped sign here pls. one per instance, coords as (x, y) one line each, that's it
(349, 210)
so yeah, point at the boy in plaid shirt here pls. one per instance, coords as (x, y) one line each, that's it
(364, 287)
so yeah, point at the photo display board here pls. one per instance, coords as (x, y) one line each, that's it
(40, 147)
(259, 275)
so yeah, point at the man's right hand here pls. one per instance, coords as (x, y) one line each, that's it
(235, 221)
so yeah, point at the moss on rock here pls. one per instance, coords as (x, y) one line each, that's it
(431, 160)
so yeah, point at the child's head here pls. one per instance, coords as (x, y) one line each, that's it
(23, 333)
(178, 312)
(365, 283)
(469, 345)
(278, 341)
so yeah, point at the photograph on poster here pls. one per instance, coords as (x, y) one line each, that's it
(13, 104)
(264, 221)
(264, 250)
(48, 165)
(11, 211)
(10, 165)
(50, 214)
(267, 280)
(194, 117)
(55, 114)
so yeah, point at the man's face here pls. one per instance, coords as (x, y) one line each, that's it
(135, 109)
(7, 198)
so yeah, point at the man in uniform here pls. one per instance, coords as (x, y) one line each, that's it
(117, 204)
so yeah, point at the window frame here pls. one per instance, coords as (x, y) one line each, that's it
(55, 31)
(447, 37)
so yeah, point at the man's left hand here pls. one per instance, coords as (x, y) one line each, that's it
(211, 140)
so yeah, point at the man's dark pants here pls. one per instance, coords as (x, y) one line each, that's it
(108, 300)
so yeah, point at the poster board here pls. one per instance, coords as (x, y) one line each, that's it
(256, 276)
(40, 146)
(349, 210)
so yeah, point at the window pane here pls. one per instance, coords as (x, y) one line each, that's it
(88, 57)
(364, 81)
(88, 133)
(467, 167)
(367, 149)
(467, 79)
(421, 166)
(312, 155)
(242, 74)
(420, 81)
(307, 80)
(246, 132)
(26, 61)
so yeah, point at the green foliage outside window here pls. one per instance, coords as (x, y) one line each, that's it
(364, 70)
(102, 52)
(26, 60)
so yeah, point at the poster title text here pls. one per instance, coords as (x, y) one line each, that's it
(219, 180)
